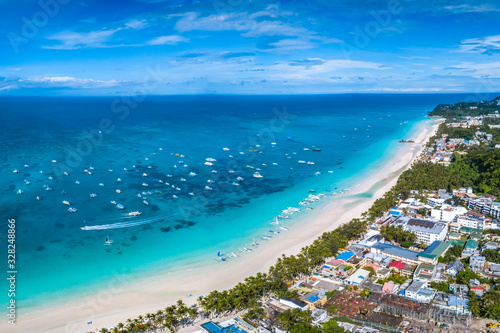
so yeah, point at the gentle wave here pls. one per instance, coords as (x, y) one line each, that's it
(127, 224)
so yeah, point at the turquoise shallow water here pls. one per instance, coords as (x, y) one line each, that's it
(55, 258)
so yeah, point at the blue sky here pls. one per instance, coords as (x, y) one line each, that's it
(71, 47)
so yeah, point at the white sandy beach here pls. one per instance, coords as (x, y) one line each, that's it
(122, 300)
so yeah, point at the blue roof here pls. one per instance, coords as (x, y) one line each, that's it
(397, 251)
(454, 301)
(394, 212)
(345, 256)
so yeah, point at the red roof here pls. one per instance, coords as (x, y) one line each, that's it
(398, 264)
(476, 288)
(336, 262)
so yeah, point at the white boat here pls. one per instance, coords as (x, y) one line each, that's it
(26, 182)
(240, 178)
(192, 174)
(72, 210)
(54, 161)
(306, 148)
(65, 173)
(317, 173)
(145, 184)
(77, 182)
(38, 198)
(301, 161)
(191, 193)
(236, 184)
(274, 163)
(330, 171)
(110, 170)
(177, 188)
(66, 203)
(101, 184)
(160, 181)
(183, 179)
(48, 188)
(213, 171)
(230, 171)
(210, 181)
(209, 163)
(169, 176)
(273, 143)
(113, 202)
(50, 177)
(283, 216)
(26, 166)
(108, 241)
(144, 174)
(310, 163)
(20, 191)
(174, 196)
(226, 149)
(257, 175)
(15, 171)
(93, 195)
(118, 179)
(211, 159)
(120, 206)
(145, 202)
(208, 188)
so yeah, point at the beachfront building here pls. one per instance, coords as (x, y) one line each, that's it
(427, 231)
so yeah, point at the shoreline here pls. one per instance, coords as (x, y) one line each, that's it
(122, 299)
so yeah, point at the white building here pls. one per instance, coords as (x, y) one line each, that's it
(427, 231)
(471, 219)
(357, 277)
(447, 212)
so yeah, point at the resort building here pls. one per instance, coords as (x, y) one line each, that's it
(396, 253)
(427, 231)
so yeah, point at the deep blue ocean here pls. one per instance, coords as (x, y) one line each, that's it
(149, 155)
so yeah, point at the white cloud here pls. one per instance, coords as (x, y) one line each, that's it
(486, 44)
(169, 40)
(70, 40)
(238, 22)
(136, 24)
(485, 8)
(67, 81)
